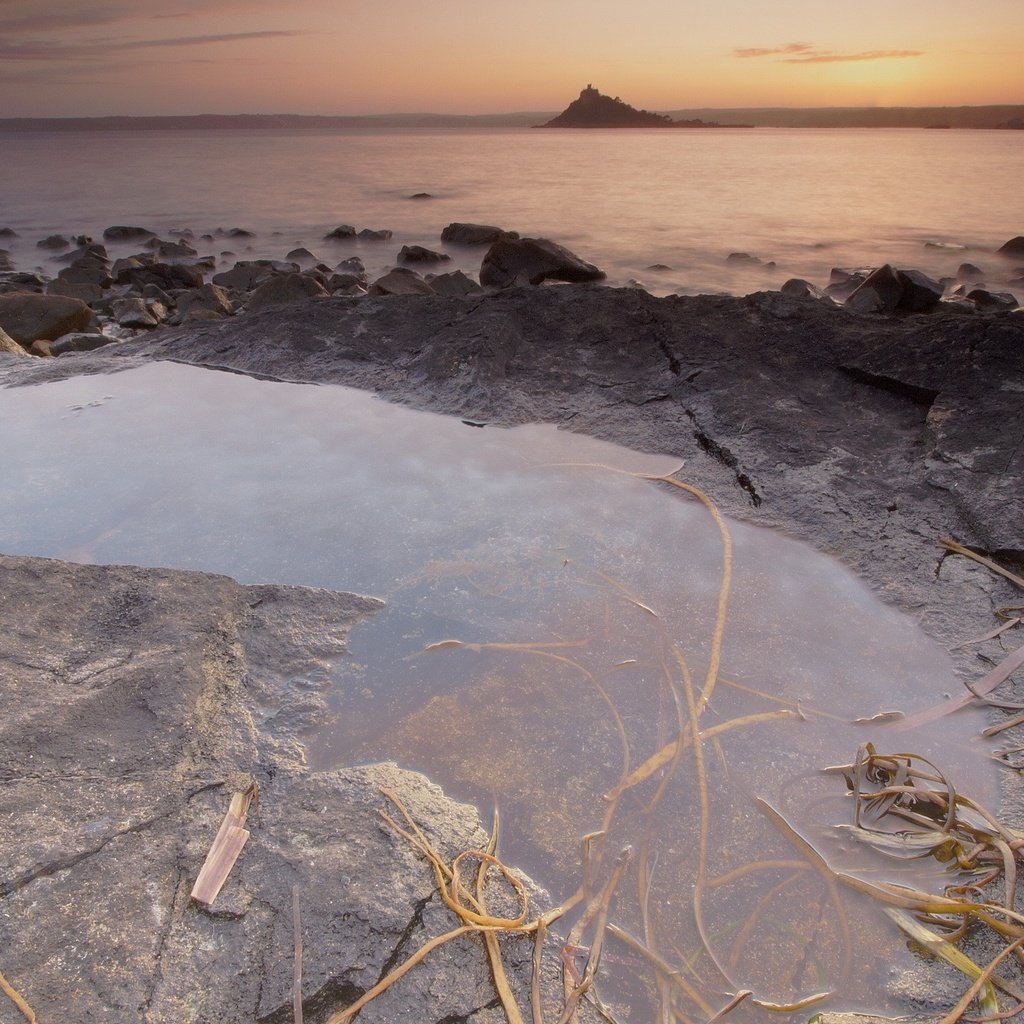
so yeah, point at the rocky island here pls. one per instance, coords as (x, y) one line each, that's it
(595, 110)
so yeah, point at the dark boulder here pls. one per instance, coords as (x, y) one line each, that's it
(798, 288)
(457, 283)
(164, 275)
(420, 254)
(302, 256)
(126, 233)
(475, 234)
(53, 242)
(920, 292)
(1014, 247)
(533, 261)
(82, 290)
(843, 283)
(969, 272)
(992, 302)
(285, 288)
(881, 292)
(78, 342)
(8, 233)
(342, 231)
(28, 317)
(372, 235)
(401, 281)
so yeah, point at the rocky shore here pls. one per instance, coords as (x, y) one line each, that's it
(870, 427)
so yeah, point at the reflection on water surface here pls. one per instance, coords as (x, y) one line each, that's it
(584, 599)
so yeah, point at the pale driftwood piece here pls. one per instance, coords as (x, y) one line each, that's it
(231, 837)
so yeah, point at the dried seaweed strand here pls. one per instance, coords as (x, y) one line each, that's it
(20, 1003)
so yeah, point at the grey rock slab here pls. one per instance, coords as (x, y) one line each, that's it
(285, 288)
(136, 701)
(474, 234)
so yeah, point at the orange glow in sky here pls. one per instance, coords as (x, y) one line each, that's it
(96, 57)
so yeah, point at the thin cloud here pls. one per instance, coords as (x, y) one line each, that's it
(805, 53)
(84, 51)
(768, 51)
(835, 58)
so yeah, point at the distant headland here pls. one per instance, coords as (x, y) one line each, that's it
(595, 110)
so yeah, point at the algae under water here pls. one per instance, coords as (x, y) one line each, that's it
(580, 594)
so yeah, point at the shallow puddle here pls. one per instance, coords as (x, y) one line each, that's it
(583, 597)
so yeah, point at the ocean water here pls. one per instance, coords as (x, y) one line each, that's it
(806, 200)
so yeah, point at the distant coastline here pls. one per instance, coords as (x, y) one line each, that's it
(986, 117)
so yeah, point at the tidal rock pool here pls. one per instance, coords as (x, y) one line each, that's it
(554, 616)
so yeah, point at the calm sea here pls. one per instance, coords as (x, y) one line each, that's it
(805, 199)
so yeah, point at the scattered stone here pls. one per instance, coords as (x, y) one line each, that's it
(968, 272)
(420, 254)
(10, 346)
(8, 233)
(1014, 247)
(371, 235)
(236, 233)
(342, 231)
(78, 342)
(142, 259)
(167, 276)
(171, 250)
(125, 233)
(81, 290)
(21, 281)
(798, 288)
(475, 234)
(248, 274)
(5, 261)
(40, 347)
(196, 303)
(992, 302)
(133, 312)
(741, 257)
(843, 283)
(353, 265)
(302, 256)
(53, 242)
(920, 292)
(881, 292)
(533, 261)
(87, 271)
(95, 251)
(28, 317)
(455, 283)
(421, 195)
(285, 288)
(658, 267)
(401, 281)
(349, 284)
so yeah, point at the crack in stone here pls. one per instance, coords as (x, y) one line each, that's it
(165, 934)
(722, 454)
(917, 394)
(12, 885)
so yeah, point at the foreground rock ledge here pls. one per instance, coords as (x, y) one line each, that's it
(135, 701)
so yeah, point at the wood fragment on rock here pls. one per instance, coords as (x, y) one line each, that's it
(231, 837)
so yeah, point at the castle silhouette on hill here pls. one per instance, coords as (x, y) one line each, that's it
(595, 110)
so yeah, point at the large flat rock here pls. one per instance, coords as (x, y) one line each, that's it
(135, 702)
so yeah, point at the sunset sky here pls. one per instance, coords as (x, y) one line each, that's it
(95, 57)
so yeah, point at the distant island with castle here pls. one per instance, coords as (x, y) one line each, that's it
(595, 110)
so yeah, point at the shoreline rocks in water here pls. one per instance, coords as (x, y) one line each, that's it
(173, 279)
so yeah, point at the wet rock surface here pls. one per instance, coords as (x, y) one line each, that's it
(136, 701)
(867, 435)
